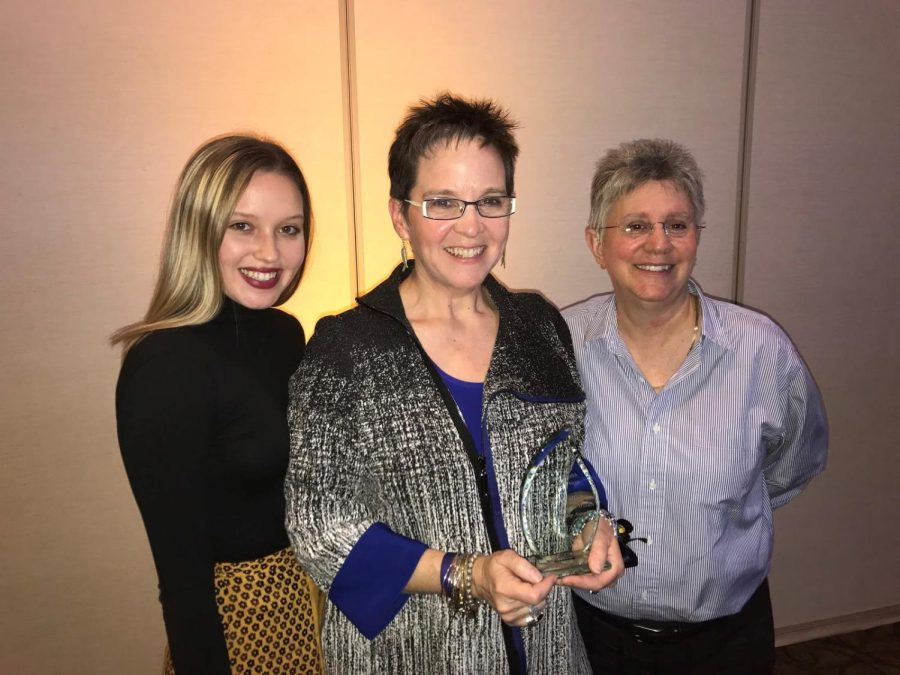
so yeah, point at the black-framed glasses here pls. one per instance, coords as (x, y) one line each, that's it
(450, 208)
(675, 228)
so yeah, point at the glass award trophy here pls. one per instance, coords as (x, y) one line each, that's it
(558, 505)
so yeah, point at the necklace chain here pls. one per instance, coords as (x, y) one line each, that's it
(696, 304)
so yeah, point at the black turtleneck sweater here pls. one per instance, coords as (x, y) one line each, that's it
(201, 414)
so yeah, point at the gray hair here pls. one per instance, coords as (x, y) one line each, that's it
(634, 163)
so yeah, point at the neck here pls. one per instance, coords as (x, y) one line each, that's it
(426, 300)
(656, 323)
(659, 342)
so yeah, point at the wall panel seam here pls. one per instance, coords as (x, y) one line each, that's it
(748, 91)
(351, 139)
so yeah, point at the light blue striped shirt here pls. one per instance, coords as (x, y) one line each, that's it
(738, 431)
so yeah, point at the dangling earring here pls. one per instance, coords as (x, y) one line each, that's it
(403, 255)
(503, 259)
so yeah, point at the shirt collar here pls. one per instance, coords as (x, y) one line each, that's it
(712, 328)
(604, 325)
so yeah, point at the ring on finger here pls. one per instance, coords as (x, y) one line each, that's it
(534, 615)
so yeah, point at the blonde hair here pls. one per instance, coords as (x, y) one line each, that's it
(189, 286)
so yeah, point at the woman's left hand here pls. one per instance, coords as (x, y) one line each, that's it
(604, 560)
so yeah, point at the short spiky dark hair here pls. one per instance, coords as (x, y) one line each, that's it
(445, 119)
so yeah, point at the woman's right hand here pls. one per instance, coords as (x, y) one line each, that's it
(514, 587)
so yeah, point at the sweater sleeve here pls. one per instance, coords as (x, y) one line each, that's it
(165, 413)
(327, 484)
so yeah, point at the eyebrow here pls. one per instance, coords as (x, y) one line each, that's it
(490, 192)
(642, 214)
(241, 214)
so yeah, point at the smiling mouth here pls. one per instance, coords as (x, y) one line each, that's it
(461, 252)
(654, 268)
(259, 276)
(263, 279)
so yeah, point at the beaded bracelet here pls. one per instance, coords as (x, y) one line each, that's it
(611, 519)
(602, 514)
(460, 598)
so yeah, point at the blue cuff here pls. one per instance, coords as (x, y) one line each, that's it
(368, 588)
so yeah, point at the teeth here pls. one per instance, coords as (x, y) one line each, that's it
(461, 252)
(654, 268)
(259, 276)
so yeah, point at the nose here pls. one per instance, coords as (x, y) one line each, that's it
(658, 239)
(469, 223)
(266, 247)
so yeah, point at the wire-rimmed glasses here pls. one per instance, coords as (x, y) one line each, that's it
(674, 228)
(450, 208)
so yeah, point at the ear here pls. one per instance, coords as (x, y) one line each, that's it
(595, 245)
(398, 219)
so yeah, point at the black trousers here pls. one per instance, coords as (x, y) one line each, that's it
(740, 644)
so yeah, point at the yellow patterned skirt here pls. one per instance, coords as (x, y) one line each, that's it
(271, 613)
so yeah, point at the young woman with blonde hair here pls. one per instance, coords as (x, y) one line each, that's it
(201, 404)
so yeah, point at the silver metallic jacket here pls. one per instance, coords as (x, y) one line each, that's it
(372, 440)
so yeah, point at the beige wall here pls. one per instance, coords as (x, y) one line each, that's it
(103, 103)
(822, 235)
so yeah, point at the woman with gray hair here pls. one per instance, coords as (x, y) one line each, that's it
(705, 420)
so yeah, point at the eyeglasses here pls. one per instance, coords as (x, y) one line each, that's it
(448, 208)
(641, 229)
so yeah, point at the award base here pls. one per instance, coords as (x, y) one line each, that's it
(566, 564)
(563, 564)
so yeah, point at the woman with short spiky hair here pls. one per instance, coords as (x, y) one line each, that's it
(414, 418)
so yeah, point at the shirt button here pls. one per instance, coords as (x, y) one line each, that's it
(649, 541)
(644, 595)
(656, 428)
(652, 485)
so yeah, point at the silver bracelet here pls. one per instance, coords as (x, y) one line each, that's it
(611, 519)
